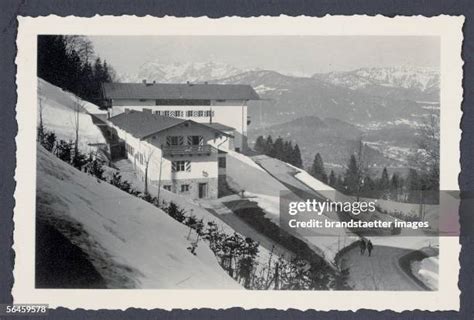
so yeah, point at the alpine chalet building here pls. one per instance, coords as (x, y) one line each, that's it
(177, 135)
(203, 103)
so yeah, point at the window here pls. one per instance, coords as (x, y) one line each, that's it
(174, 140)
(200, 113)
(189, 113)
(222, 162)
(175, 113)
(167, 187)
(158, 113)
(181, 166)
(182, 102)
(184, 187)
(195, 140)
(166, 113)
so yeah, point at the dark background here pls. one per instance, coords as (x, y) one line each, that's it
(10, 9)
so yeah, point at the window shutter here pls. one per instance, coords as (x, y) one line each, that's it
(168, 140)
(173, 166)
(180, 140)
(190, 140)
(201, 140)
(188, 166)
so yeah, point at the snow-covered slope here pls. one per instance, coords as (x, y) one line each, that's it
(58, 115)
(129, 239)
(427, 270)
(243, 174)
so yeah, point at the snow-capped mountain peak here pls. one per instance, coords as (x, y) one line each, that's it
(181, 72)
(417, 78)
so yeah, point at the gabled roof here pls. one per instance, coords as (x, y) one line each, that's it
(144, 124)
(219, 126)
(178, 91)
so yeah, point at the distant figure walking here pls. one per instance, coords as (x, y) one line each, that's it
(362, 246)
(370, 247)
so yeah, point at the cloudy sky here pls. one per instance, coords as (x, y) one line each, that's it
(298, 55)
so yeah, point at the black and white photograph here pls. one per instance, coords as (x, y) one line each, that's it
(266, 162)
(161, 160)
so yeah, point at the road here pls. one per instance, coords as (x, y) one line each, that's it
(219, 209)
(381, 271)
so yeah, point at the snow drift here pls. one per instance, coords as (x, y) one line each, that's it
(129, 240)
(58, 110)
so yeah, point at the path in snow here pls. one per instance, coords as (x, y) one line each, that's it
(222, 212)
(286, 175)
(381, 271)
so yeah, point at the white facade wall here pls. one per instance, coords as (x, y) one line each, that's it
(232, 113)
(202, 167)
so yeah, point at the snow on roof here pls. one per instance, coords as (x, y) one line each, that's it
(179, 91)
(219, 126)
(143, 124)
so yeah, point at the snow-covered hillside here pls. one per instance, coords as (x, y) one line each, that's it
(243, 174)
(129, 239)
(182, 72)
(58, 111)
(264, 188)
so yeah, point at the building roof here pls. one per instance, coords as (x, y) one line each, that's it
(143, 124)
(179, 91)
(219, 126)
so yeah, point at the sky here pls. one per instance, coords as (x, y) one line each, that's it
(296, 55)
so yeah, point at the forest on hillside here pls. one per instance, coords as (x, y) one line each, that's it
(71, 63)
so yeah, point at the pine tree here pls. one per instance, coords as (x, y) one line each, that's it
(332, 179)
(269, 146)
(317, 169)
(351, 177)
(64, 61)
(384, 184)
(297, 162)
(413, 185)
(278, 149)
(395, 186)
(287, 152)
(260, 145)
(369, 187)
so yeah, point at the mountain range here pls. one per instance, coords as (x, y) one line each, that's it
(326, 112)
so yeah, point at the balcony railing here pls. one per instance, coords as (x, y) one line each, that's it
(188, 150)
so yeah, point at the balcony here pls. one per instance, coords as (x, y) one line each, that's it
(199, 150)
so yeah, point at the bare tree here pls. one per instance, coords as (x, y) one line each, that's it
(78, 107)
(147, 155)
(362, 166)
(82, 46)
(425, 158)
(41, 124)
